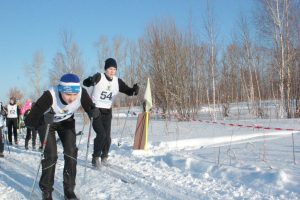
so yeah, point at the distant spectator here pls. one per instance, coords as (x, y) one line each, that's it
(13, 112)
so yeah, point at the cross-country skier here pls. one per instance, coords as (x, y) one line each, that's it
(56, 107)
(13, 113)
(30, 132)
(106, 87)
(2, 121)
(24, 108)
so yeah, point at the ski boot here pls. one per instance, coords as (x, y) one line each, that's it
(69, 194)
(104, 160)
(96, 162)
(46, 195)
(26, 144)
(1, 155)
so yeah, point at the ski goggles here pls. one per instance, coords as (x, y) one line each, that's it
(69, 88)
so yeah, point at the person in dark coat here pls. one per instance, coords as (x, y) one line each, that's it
(105, 88)
(2, 123)
(55, 109)
(30, 132)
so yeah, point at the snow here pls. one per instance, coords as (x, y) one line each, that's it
(184, 160)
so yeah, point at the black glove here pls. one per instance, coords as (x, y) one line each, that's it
(94, 79)
(49, 117)
(94, 113)
(135, 89)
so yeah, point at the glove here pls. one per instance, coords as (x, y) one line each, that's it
(49, 117)
(135, 89)
(94, 113)
(94, 79)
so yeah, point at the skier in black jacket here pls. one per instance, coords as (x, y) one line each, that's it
(56, 107)
(106, 87)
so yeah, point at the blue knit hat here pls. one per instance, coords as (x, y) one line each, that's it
(69, 83)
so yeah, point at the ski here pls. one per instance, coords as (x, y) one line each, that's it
(114, 173)
(108, 169)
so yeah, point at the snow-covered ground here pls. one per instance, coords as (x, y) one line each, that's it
(185, 160)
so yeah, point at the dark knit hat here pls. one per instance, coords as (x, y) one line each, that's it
(69, 83)
(110, 62)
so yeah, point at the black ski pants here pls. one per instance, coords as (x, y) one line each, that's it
(102, 127)
(12, 125)
(41, 132)
(67, 135)
(1, 140)
(30, 132)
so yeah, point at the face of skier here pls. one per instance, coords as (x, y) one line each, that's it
(110, 72)
(69, 97)
(12, 101)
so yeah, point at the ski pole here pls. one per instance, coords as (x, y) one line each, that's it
(81, 132)
(41, 158)
(87, 149)
(121, 135)
(88, 143)
(6, 139)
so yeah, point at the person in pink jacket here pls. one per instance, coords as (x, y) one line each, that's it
(24, 112)
(27, 106)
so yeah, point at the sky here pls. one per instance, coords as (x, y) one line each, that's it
(28, 26)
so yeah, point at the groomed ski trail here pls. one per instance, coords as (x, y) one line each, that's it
(16, 165)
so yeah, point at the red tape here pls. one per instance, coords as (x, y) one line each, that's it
(231, 124)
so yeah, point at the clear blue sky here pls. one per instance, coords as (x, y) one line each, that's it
(30, 25)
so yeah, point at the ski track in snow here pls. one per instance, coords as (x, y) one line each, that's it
(11, 163)
(174, 186)
(170, 186)
(161, 188)
(167, 171)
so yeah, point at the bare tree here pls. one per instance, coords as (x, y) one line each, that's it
(171, 58)
(17, 93)
(211, 31)
(229, 75)
(274, 23)
(120, 52)
(68, 61)
(34, 73)
(250, 56)
(103, 51)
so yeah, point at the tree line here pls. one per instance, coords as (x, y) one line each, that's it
(188, 70)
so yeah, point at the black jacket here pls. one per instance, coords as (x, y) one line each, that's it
(34, 118)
